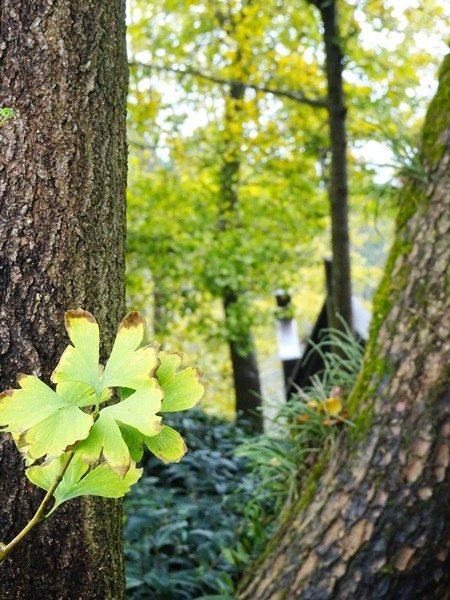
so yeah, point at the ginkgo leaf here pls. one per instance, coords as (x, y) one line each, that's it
(134, 441)
(128, 367)
(168, 445)
(21, 409)
(102, 481)
(46, 423)
(182, 389)
(77, 481)
(105, 437)
(138, 411)
(80, 362)
(44, 475)
(78, 393)
(54, 434)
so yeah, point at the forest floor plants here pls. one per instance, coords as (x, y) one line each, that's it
(193, 527)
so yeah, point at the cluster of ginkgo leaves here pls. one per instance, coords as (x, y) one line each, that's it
(77, 430)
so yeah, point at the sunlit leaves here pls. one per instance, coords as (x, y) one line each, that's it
(282, 143)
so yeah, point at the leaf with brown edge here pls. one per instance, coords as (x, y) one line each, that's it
(128, 367)
(80, 361)
(168, 445)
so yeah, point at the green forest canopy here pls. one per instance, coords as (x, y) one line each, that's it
(183, 125)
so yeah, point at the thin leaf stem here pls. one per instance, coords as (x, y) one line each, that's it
(39, 514)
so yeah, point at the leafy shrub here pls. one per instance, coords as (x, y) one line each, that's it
(184, 517)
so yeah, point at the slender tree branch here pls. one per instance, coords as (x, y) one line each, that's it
(38, 516)
(296, 96)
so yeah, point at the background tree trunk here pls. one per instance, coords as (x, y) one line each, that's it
(377, 524)
(341, 289)
(246, 381)
(62, 228)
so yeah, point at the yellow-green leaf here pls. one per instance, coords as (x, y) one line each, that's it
(182, 389)
(138, 411)
(168, 445)
(105, 437)
(77, 481)
(43, 423)
(80, 362)
(77, 392)
(54, 434)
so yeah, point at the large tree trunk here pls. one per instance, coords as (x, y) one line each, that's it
(62, 226)
(341, 289)
(244, 364)
(378, 524)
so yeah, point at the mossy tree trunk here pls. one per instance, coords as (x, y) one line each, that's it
(62, 228)
(376, 525)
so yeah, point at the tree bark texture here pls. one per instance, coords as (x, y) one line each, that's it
(244, 364)
(62, 229)
(341, 295)
(376, 525)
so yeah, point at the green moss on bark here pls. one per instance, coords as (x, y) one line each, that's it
(310, 485)
(376, 365)
(437, 122)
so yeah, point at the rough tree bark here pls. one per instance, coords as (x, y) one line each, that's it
(378, 523)
(62, 227)
(242, 350)
(341, 289)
